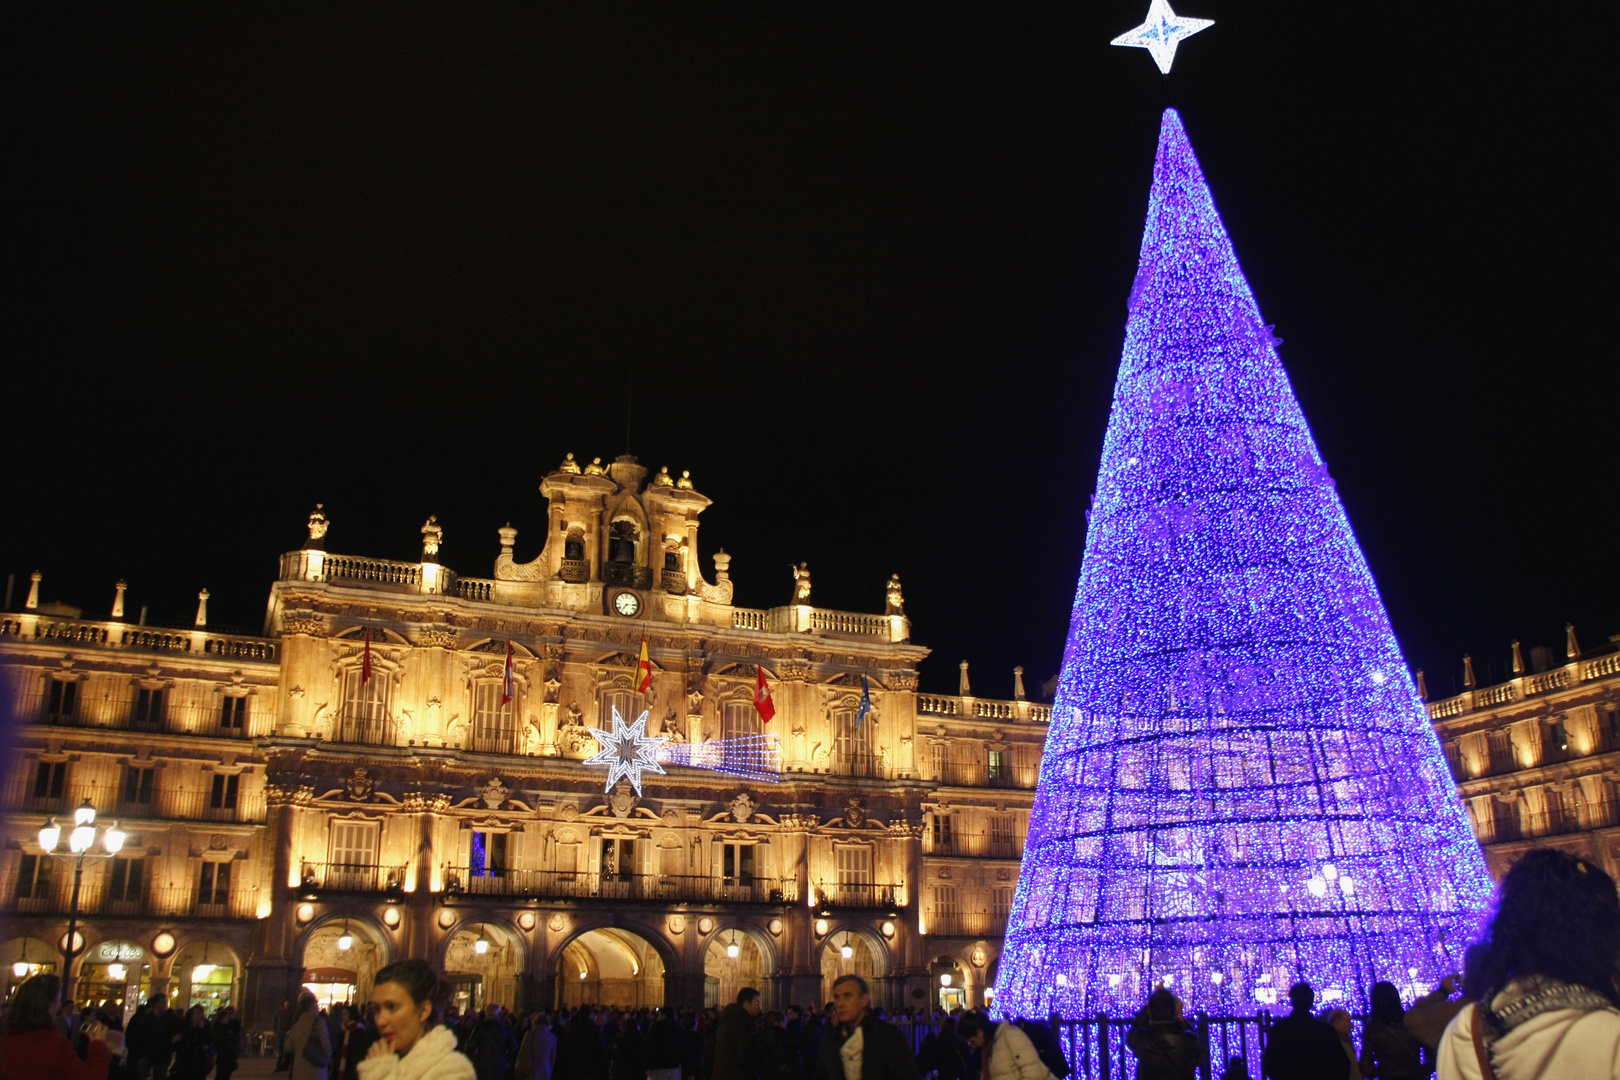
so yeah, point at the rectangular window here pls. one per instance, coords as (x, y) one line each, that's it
(125, 879)
(943, 831)
(567, 861)
(997, 765)
(233, 713)
(488, 853)
(945, 909)
(494, 730)
(618, 860)
(669, 862)
(737, 864)
(138, 784)
(1609, 721)
(627, 703)
(34, 877)
(739, 718)
(148, 706)
(223, 795)
(853, 745)
(63, 697)
(354, 855)
(1001, 834)
(936, 756)
(50, 779)
(214, 883)
(365, 701)
(1001, 899)
(854, 865)
(1557, 736)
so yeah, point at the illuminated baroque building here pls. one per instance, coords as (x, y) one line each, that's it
(350, 788)
(1537, 758)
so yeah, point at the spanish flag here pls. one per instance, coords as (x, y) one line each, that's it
(643, 669)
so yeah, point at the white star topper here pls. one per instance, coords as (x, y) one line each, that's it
(1161, 33)
(627, 751)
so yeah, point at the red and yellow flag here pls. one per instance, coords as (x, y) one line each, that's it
(643, 669)
(762, 695)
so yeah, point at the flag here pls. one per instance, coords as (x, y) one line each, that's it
(365, 661)
(506, 676)
(643, 669)
(866, 703)
(762, 695)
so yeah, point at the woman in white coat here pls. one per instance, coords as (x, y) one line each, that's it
(411, 1043)
(1005, 1050)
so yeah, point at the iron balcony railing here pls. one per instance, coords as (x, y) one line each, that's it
(163, 717)
(351, 877)
(595, 885)
(975, 924)
(155, 901)
(993, 845)
(860, 895)
(980, 774)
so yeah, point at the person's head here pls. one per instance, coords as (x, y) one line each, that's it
(851, 998)
(1339, 1021)
(409, 996)
(36, 1004)
(1556, 916)
(1161, 1004)
(748, 998)
(197, 1016)
(1301, 996)
(795, 1013)
(775, 1019)
(160, 1004)
(973, 1029)
(1386, 1003)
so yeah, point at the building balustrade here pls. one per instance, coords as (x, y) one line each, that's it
(131, 713)
(122, 635)
(992, 845)
(366, 730)
(1508, 827)
(858, 895)
(980, 774)
(574, 571)
(484, 739)
(351, 877)
(598, 885)
(166, 901)
(200, 805)
(954, 923)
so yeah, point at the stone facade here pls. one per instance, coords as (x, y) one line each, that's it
(351, 788)
(1537, 758)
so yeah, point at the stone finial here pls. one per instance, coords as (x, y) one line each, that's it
(318, 524)
(595, 468)
(685, 482)
(1423, 686)
(1018, 684)
(432, 537)
(1518, 660)
(508, 538)
(663, 479)
(962, 686)
(569, 465)
(1572, 648)
(894, 602)
(1468, 673)
(801, 583)
(118, 599)
(32, 603)
(202, 608)
(722, 566)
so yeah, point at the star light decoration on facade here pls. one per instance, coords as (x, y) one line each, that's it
(627, 751)
(1161, 32)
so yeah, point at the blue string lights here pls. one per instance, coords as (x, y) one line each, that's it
(1240, 788)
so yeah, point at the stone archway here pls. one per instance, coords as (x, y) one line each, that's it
(36, 955)
(335, 974)
(610, 966)
(735, 958)
(207, 973)
(949, 984)
(866, 958)
(484, 964)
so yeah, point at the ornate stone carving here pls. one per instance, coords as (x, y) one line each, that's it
(896, 604)
(900, 680)
(801, 821)
(358, 787)
(436, 639)
(854, 812)
(432, 537)
(304, 622)
(801, 583)
(413, 803)
(277, 795)
(558, 922)
(793, 669)
(677, 924)
(742, 808)
(217, 842)
(623, 800)
(495, 793)
(552, 685)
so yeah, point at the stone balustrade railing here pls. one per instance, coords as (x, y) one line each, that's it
(122, 635)
(801, 619)
(1527, 686)
(983, 708)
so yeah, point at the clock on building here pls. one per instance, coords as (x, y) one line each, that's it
(627, 604)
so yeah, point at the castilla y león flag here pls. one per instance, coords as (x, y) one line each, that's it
(643, 669)
(762, 695)
(506, 676)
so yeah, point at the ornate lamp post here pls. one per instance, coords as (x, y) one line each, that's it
(80, 841)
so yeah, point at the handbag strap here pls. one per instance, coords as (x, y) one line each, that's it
(1481, 1051)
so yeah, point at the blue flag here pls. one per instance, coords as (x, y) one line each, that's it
(866, 703)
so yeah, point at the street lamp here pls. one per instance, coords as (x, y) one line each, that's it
(80, 841)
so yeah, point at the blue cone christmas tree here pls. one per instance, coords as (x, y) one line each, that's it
(1240, 788)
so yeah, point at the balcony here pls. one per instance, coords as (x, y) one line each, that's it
(494, 740)
(574, 571)
(351, 877)
(619, 573)
(868, 766)
(863, 896)
(1509, 827)
(365, 731)
(126, 714)
(980, 774)
(199, 805)
(122, 636)
(995, 845)
(593, 885)
(28, 796)
(173, 901)
(948, 923)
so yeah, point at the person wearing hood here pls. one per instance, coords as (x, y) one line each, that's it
(411, 1043)
(1547, 1004)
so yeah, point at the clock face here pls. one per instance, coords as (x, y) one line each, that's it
(627, 603)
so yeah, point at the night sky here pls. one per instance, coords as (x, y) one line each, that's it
(861, 268)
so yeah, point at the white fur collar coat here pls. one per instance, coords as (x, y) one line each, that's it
(433, 1057)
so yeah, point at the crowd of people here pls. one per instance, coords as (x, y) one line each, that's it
(1539, 998)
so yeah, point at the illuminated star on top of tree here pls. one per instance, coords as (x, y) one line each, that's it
(1161, 32)
(627, 751)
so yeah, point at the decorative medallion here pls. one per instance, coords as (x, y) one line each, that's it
(677, 924)
(495, 793)
(742, 808)
(358, 786)
(558, 922)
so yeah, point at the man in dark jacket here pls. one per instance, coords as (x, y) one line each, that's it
(1301, 1047)
(734, 1044)
(859, 1036)
(1166, 1048)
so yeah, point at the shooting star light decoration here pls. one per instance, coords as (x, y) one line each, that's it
(628, 751)
(1161, 32)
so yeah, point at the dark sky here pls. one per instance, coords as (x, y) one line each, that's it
(861, 268)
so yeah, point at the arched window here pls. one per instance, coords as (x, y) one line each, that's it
(629, 704)
(622, 542)
(365, 717)
(494, 726)
(852, 745)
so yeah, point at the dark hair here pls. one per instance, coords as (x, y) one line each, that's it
(860, 984)
(971, 1024)
(1386, 1004)
(1302, 996)
(31, 1006)
(1556, 916)
(418, 979)
(1161, 1005)
(747, 994)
